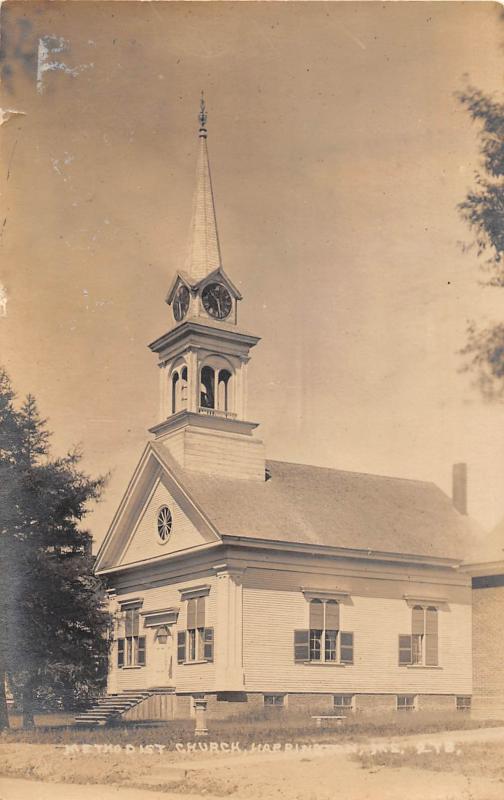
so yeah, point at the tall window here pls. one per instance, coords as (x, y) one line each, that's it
(207, 394)
(223, 390)
(131, 646)
(175, 380)
(323, 642)
(196, 642)
(420, 648)
(179, 390)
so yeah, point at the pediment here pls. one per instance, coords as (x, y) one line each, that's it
(180, 278)
(220, 276)
(133, 535)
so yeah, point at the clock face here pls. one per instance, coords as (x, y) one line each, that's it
(181, 303)
(217, 300)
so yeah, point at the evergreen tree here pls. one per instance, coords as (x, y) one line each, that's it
(52, 618)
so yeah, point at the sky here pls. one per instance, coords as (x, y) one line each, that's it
(339, 153)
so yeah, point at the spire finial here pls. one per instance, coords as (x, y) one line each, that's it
(202, 117)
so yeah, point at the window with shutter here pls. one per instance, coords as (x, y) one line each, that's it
(431, 636)
(423, 641)
(322, 641)
(316, 615)
(330, 645)
(181, 647)
(200, 612)
(301, 645)
(198, 640)
(120, 652)
(191, 614)
(404, 649)
(417, 621)
(346, 648)
(332, 615)
(141, 660)
(208, 640)
(130, 646)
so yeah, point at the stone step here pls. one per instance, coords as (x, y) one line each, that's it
(111, 707)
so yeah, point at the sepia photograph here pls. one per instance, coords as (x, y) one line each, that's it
(251, 400)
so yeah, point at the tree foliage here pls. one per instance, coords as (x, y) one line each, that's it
(53, 623)
(483, 210)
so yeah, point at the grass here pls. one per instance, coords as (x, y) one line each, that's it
(265, 727)
(44, 720)
(471, 760)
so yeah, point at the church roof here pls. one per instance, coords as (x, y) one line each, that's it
(329, 507)
(204, 249)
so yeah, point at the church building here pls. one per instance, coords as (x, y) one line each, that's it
(263, 583)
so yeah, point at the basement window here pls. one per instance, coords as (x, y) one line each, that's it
(343, 702)
(463, 703)
(406, 702)
(274, 700)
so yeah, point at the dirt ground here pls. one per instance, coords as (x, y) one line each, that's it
(311, 774)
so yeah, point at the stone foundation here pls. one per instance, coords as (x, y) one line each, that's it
(375, 703)
(223, 705)
(437, 702)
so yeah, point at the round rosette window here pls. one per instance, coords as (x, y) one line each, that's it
(164, 524)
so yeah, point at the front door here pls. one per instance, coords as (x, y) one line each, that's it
(161, 660)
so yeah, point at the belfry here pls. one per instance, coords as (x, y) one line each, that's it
(203, 358)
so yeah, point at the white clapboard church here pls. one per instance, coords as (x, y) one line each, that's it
(264, 583)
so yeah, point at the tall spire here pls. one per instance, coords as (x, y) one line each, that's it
(204, 250)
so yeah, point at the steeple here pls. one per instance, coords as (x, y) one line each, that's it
(203, 359)
(204, 249)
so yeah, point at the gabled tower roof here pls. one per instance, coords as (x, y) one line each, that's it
(204, 249)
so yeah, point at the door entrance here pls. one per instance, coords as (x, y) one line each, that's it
(162, 657)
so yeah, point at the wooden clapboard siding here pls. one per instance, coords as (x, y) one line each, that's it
(271, 612)
(374, 580)
(144, 543)
(225, 454)
(175, 443)
(186, 677)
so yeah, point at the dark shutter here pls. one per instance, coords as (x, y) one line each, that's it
(129, 622)
(431, 637)
(417, 621)
(136, 621)
(332, 616)
(120, 652)
(141, 651)
(191, 614)
(208, 647)
(200, 612)
(316, 615)
(404, 649)
(346, 647)
(301, 645)
(181, 647)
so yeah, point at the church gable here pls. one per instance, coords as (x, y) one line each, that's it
(134, 535)
(162, 528)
